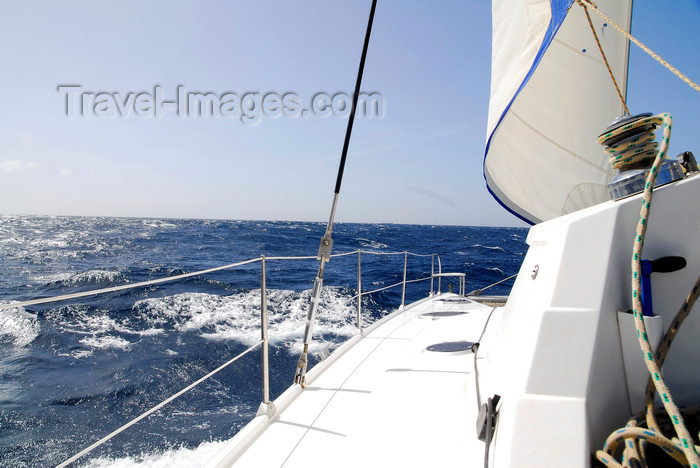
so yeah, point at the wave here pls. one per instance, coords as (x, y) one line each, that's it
(18, 326)
(78, 353)
(157, 224)
(489, 247)
(10, 239)
(94, 277)
(99, 331)
(237, 317)
(372, 244)
(79, 320)
(85, 278)
(48, 279)
(212, 317)
(106, 342)
(175, 457)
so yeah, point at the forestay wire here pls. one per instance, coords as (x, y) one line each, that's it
(326, 245)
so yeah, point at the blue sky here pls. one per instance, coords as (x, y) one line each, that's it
(419, 163)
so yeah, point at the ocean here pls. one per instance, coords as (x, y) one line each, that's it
(72, 372)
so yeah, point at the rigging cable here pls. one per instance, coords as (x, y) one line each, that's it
(605, 59)
(656, 57)
(326, 244)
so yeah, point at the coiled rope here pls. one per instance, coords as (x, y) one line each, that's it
(634, 437)
(637, 152)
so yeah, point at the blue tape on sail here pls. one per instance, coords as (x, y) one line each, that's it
(559, 9)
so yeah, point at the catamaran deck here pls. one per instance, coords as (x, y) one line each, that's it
(388, 399)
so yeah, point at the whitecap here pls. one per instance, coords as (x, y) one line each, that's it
(53, 278)
(78, 354)
(237, 317)
(79, 320)
(18, 326)
(99, 330)
(173, 458)
(94, 276)
(158, 224)
(106, 342)
(371, 244)
(501, 249)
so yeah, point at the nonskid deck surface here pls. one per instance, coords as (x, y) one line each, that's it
(387, 401)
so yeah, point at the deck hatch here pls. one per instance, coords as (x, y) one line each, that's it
(451, 346)
(446, 313)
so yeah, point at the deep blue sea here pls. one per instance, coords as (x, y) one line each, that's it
(72, 372)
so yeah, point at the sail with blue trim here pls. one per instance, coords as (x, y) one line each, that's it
(551, 96)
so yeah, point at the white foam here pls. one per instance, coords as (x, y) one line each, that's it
(11, 240)
(372, 244)
(53, 278)
(83, 322)
(173, 458)
(158, 224)
(95, 276)
(18, 326)
(105, 342)
(237, 317)
(83, 353)
(98, 328)
(489, 247)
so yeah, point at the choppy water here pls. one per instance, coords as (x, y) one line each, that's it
(72, 372)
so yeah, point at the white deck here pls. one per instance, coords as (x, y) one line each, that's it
(385, 399)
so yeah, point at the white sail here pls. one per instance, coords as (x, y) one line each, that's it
(551, 96)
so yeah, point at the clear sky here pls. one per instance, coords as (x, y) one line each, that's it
(418, 163)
